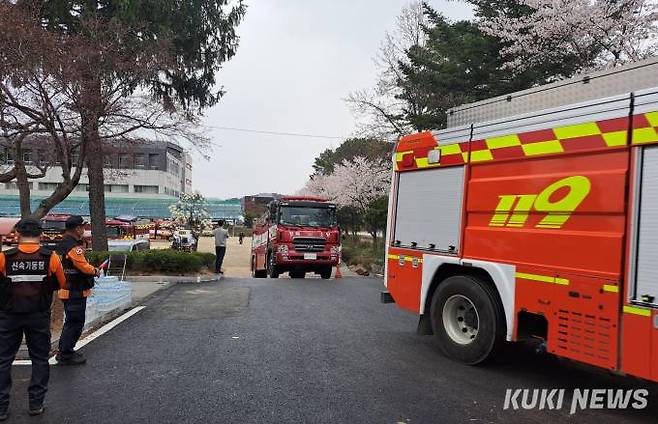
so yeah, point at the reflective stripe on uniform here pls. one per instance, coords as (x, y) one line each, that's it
(23, 278)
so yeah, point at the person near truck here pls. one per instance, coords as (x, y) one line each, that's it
(29, 274)
(79, 281)
(221, 235)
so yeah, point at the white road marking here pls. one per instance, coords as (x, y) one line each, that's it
(91, 337)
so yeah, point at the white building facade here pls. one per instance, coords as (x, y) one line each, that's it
(149, 169)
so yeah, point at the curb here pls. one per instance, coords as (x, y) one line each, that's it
(172, 279)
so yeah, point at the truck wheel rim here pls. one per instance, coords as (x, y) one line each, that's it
(460, 319)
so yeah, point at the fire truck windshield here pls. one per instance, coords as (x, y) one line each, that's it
(307, 216)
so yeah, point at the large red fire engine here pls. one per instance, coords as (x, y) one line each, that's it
(296, 235)
(535, 216)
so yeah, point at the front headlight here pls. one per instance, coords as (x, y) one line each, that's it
(335, 250)
(283, 249)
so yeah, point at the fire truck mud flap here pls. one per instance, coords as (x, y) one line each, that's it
(502, 275)
(385, 297)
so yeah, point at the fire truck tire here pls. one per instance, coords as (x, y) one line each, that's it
(257, 273)
(272, 271)
(468, 319)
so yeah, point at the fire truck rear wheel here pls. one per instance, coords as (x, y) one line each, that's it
(467, 319)
(257, 273)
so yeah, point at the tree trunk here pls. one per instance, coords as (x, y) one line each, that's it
(23, 185)
(90, 116)
(60, 194)
(96, 184)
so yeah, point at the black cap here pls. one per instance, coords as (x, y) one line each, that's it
(74, 221)
(29, 227)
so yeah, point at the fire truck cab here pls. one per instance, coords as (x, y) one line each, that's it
(535, 216)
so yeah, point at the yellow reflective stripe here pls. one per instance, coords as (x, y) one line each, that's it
(543, 278)
(543, 147)
(400, 155)
(644, 135)
(504, 141)
(423, 163)
(407, 258)
(610, 288)
(450, 149)
(580, 130)
(616, 138)
(481, 155)
(652, 117)
(534, 277)
(637, 311)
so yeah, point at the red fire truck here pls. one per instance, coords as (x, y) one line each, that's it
(534, 216)
(296, 235)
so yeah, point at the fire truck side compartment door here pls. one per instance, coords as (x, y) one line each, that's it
(647, 253)
(429, 206)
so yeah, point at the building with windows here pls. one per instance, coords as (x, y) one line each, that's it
(139, 169)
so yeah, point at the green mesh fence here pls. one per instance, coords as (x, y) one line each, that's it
(141, 207)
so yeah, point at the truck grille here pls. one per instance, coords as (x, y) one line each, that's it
(309, 244)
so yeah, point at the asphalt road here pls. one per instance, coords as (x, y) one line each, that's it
(297, 351)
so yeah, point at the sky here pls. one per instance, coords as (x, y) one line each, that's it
(297, 61)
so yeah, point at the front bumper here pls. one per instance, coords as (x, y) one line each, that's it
(297, 259)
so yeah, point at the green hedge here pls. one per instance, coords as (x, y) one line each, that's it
(160, 261)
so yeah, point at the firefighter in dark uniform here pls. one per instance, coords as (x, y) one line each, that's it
(28, 276)
(79, 281)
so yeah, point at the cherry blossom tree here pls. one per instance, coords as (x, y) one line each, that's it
(597, 33)
(353, 183)
(191, 211)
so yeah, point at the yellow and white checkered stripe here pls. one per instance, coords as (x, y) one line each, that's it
(611, 133)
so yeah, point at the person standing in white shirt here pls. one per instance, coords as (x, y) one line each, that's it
(221, 235)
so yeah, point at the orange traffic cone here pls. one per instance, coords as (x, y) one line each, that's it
(338, 273)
